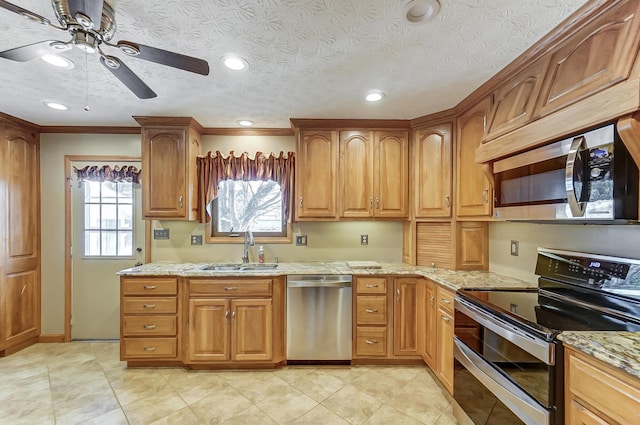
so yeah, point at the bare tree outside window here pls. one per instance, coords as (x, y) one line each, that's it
(248, 205)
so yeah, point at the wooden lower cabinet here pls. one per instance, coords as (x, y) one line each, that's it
(597, 393)
(429, 321)
(445, 332)
(405, 316)
(235, 321)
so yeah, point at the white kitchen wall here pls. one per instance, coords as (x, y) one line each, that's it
(53, 148)
(618, 240)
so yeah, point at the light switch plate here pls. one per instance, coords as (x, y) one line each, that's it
(196, 239)
(160, 233)
(515, 248)
(301, 240)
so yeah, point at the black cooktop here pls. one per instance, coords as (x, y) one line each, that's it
(577, 291)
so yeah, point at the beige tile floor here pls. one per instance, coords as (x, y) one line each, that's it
(85, 383)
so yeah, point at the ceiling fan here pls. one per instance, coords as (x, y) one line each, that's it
(91, 24)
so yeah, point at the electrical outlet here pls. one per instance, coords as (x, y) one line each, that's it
(515, 248)
(364, 239)
(160, 233)
(301, 240)
(196, 239)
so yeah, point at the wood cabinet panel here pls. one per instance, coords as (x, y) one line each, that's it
(474, 192)
(149, 305)
(21, 306)
(430, 336)
(405, 317)
(149, 348)
(515, 100)
(149, 325)
(371, 285)
(252, 332)
(231, 287)
(209, 338)
(391, 174)
(434, 244)
(606, 394)
(371, 342)
(316, 174)
(356, 173)
(472, 245)
(597, 56)
(150, 286)
(432, 171)
(445, 334)
(371, 310)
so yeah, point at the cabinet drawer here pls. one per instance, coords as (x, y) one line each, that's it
(232, 288)
(371, 285)
(151, 286)
(371, 342)
(445, 299)
(149, 325)
(149, 348)
(371, 310)
(149, 305)
(604, 389)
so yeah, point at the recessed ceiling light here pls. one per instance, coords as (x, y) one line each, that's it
(374, 96)
(55, 105)
(235, 63)
(421, 11)
(59, 61)
(245, 123)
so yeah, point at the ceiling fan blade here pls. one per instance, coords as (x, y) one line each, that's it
(164, 57)
(24, 12)
(32, 51)
(127, 77)
(89, 8)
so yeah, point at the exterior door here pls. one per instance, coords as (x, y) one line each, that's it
(107, 236)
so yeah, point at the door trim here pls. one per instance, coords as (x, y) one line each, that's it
(68, 159)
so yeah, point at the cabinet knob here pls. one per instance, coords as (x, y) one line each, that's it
(226, 315)
(148, 326)
(149, 287)
(371, 310)
(233, 314)
(301, 202)
(398, 294)
(446, 319)
(148, 306)
(370, 341)
(230, 288)
(370, 203)
(150, 348)
(370, 286)
(447, 202)
(485, 192)
(445, 301)
(432, 299)
(377, 203)
(180, 201)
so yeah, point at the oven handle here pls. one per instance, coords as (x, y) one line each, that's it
(521, 403)
(537, 347)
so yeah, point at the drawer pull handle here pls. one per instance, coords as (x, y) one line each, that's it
(370, 342)
(371, 286)
(230, 288)
(445, 301)
(148, 306)
(148, 326)
(446, 319)
(149, 286)
(150, 348)
(371, 310)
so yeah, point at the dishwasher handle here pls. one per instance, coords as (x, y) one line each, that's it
(318, 284)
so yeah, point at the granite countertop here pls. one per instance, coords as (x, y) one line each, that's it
(454, 279)
(616, 348)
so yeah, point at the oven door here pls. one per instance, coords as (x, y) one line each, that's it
(505, 374)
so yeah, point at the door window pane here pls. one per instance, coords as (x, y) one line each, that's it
(108, 219)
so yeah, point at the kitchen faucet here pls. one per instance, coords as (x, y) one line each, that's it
(248, 241)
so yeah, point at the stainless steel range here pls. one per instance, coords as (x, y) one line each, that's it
(510, 369)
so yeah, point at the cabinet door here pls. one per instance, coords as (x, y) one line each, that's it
(391, 174)
(164, 173)
(316, 174)
(405, 317)
(356, 173)
(209, 330)
(444, 360)
(430, 328)
(473, 189)
(432, 171)
(22, 307)
(252, 330)
(434, 244)
(577, 414)
(472, 245)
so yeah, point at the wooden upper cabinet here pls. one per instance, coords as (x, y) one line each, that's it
(373, 174)
(515, 100)
(316, 174)
(474, 192)
(432, 171)
(169, 150)
(391, 174)
(356, 173)
(597, 56)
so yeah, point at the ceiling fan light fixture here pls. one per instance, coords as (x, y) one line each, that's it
(111, 61)
(246, 123)
(58, 61)
(85, 41)
(235, 63)
(374, 96)
(421, 11)
(55, 105)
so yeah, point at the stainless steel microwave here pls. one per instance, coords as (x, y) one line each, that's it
(590, 177)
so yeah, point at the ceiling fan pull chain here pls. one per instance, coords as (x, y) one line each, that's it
(86, 82)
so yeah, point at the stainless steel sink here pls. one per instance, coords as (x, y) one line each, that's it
(239, 267)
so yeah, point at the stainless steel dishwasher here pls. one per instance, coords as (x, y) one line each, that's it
(319, 311)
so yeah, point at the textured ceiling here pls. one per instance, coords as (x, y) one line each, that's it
(308, 59)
